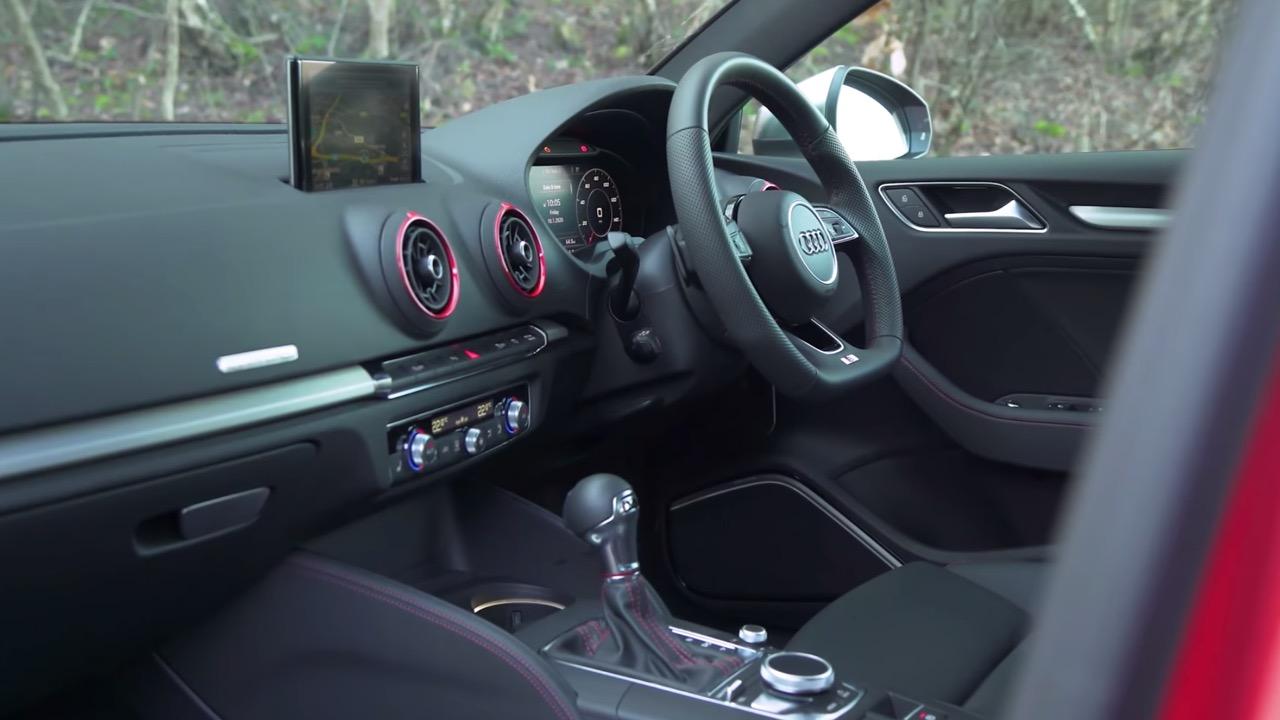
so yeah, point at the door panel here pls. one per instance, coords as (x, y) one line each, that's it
(1022, 325)
(1002, 311)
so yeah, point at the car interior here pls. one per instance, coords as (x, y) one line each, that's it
(550, 418)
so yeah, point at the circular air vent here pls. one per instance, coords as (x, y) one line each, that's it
(427, 266)
(520, 251)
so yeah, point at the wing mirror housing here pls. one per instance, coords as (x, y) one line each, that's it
(875, 116)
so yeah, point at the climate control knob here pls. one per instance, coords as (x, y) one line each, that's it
(419, 450)
(515, 419)
(473, 441)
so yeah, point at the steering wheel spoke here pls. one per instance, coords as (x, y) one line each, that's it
(738, 241)
(842, 231)
(835, 358)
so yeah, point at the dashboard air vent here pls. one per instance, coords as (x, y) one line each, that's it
(427, 266)
(520, 251)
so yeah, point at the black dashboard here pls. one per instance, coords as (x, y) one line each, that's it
(188, 326)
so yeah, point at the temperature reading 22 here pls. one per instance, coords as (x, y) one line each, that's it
(599, 205)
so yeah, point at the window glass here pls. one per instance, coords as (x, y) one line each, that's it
(223, 60)
(1039, 76)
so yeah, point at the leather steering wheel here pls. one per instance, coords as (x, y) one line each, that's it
(793, 269)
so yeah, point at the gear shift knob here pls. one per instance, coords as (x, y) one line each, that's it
(602, 510)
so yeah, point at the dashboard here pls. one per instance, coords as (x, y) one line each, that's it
(197, 328)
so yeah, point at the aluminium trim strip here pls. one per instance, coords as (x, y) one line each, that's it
(848, 525)
(35, 451)
(1121, 218)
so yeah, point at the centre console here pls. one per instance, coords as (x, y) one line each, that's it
(767, 682)
(627, 657)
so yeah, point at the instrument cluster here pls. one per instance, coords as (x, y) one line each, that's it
(581, 192)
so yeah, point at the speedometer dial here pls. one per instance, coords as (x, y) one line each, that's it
(599, 205)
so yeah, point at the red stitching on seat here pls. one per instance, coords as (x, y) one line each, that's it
(409, 605)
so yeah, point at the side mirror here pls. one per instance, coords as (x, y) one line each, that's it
(875, 116)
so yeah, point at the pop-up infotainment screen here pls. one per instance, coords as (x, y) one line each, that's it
(353, 124)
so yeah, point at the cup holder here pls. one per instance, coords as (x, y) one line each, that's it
(511, 606)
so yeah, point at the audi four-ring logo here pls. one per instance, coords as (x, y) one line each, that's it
(813, 242)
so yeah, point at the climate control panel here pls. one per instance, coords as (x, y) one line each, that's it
(434, 440)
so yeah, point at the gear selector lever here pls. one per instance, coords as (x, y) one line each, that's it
(602, 510)
(635, 633)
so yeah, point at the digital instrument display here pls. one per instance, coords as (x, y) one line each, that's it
(353, 124)
(581, 203)
(461, 417)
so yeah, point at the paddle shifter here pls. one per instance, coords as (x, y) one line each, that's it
(635, 633)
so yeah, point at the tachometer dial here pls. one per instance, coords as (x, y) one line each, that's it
(599, 205)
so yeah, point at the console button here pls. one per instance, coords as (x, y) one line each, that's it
(753, 634)
(773, 704)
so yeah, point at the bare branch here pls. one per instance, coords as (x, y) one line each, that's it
(37, 55)
(380, 14)
(337, 29)
(169, 95)
(1086, 24)
(121, 7)
(77, 34)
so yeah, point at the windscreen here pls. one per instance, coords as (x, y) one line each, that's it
(220, 60)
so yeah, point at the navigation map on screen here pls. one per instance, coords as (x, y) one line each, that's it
(361, 124)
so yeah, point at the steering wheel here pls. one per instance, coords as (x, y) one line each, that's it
(768, 307)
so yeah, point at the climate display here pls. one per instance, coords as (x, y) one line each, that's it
(580, 203)
(461, 417)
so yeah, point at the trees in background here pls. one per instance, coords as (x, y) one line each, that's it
(1000, 75)
(38, 58)
(1006, 76)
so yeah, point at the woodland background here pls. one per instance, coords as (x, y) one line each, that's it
(1001, 76)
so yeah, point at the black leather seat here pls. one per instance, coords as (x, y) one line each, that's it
(320, 639)
(930, 633)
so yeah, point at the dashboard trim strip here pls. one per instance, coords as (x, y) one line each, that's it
(254, 359)
(84, 441)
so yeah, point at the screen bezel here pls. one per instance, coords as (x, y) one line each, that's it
(299, 113)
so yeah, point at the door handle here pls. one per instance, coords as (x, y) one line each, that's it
(1013, 215)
